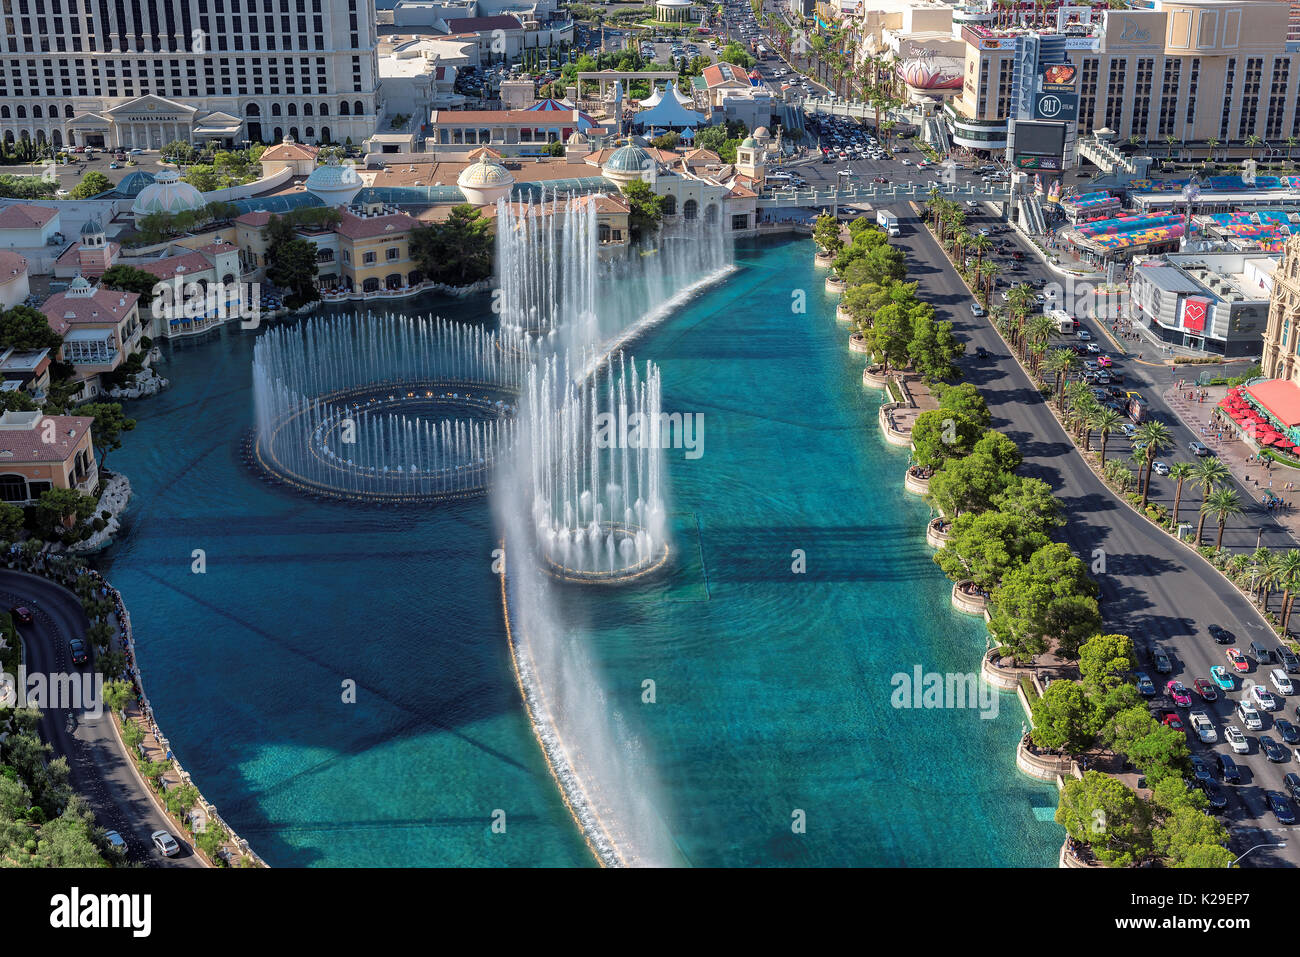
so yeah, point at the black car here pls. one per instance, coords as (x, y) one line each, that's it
(1201, 769)
(77, 648)
(1292, 782)
(1272, 750)
(1217, 797)
(1287, 731)
(1228, 769)
(1162, 662)
(981, 353)
(1221, 635)
(1288, 660)
(1281, 808)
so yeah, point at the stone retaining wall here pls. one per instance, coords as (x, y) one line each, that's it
(970, 604)
(858, 344)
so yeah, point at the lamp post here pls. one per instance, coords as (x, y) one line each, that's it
(1256, 848)
(1191, 192)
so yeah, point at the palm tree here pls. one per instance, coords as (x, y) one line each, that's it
(980, 245)
(1171, 140)
(1208, 473)
(1157, 436)
(1223, 502)
(1105, 421)
(1268, 570)
(1253, 140)
(1059, 362)
(1179, 472)
(1213, 144)
(989, 272)
(1288, 576)
(1290, 148)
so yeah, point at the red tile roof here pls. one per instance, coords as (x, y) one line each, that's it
(186, 264)
(26, 216)
(106, 306)
(290, 151)
(257, 218)
(27, 445)
(12, 265)
(364, 227)
(720, 73)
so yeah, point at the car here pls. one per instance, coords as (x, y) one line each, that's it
(1104, 361)
(165, 843)
(1281, 681)
(1281, 808)
(981, 353)
(1292, 783)
(1249, 716)
(1198, 449)
(1160, 468)
(1201, 769)
(1170, 719)
(22, 613)
(1287, 731)
(976, 309)
(1215, 796)
(906, 162)
(1083, 335)
(1263, 699)
(77, 648)
(1205, 689)
(1203, 726)
(1237, 660)
(1018, 255)
(1225, 681)
(1272, 750)
(1162, 663)
(116, 843)
(1288, 660)
(879, 179)
(1090, 365)
(1178, 691)
(1229, 771)
(1094, 348)
(1237, 741)
(135, 152)
(1221, 635)
(1146, 687)
(1128, 430)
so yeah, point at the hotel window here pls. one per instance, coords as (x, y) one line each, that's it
(1229, 79)
(1169, 96)
(1277, 100)
(1250, 88)
(1115, 94)
(393, 253)
(1191, 90)
(368, 258)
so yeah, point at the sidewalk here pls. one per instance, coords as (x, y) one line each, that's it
(1236, 453)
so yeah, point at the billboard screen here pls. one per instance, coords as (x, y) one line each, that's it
(1059, 78)
(1056, 106)
(1039, 145)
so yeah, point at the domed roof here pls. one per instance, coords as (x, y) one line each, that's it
(92, 226)
(133, 182)
(761, 133)
(749, 143)
(332, 175)
(577, 138)
(629, 159)
(167, 194)
(484, 173)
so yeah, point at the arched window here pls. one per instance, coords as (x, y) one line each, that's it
(275, 109)
(370, 285)
(56, 139)
(36, 112)
(22, 112)
(53, 111)
(228, 279)
(670, 205)
(279, 135)
(4, 112)
(343, 108)
(252, 110)
(393, 280)
(67, 111)
(311, 133)
(690, 209)
(13, 488)
(324, 109)
(293, 131)
(358, 109)
(325, 135)
(293, 109)
(306, 109)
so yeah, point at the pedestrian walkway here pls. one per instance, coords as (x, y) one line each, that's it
(1261, 480)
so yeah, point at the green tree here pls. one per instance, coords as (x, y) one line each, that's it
(934, 349)
(130, 279)
(458, 251)
(1207, 473)
(1109, 817)
(292, 266)
(11, 521)
(1000, 450)
(92, 184)
(1189, 837)
(109, 424)
(646, 209)
(1028, 499)
(24, 328)
(983, 546)
(1180, 472)
(1222, 503)
(1063, 718)
(939, 435)
(966, 399)
(1153, 436)
(1157, 750)
(1048, 598)
(1105, 661)
(63, 508)
(971, 483)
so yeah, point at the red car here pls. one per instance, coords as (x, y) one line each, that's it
(1238, 660)
(1178, 691)
(879, 179)
(1205, 688)
(1173, 721)
(23, 614)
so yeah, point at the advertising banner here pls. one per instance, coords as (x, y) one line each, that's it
(1195, 311)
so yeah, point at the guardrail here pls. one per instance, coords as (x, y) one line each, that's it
(881, 193)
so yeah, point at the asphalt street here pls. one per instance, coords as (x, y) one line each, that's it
(99, 768)
(1152, 588)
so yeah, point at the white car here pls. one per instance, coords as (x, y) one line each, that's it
(1236, 739)
(1203, 726)
(115, 842)
(1281, 681)
(906, 162)
(976, 310)
(1263, 699)
(165, 843)
(1160, 468)
(1249, 716)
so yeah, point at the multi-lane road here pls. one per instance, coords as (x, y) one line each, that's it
(99, 769)
(1152, 588)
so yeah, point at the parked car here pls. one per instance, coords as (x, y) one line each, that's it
(1272, 750)
(1263, 699)
(1228, 769)
(1201, 769)
(1146, 687)
(1288, 660)
(116, 843)
(1236, 740)
(1205, 688)
(1221, 678)
(1203, 726)
(1237, 660)
(1178, 691)
(1215, 796)
(1170, 719)
(1281, 681)
(1281, 808)
(1292, 783)
(1287, 731)
(1162, 663)
(1249, 716)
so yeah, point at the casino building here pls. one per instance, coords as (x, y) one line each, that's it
(141, 73)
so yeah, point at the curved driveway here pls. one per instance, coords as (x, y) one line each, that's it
(100, 770)
(1152, 588)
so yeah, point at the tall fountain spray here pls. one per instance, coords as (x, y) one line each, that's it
(595, 450)
(384, 408)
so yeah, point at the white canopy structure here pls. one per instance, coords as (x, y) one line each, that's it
(667, 110)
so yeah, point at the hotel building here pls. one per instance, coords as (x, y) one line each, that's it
(1281, 359)
(142, 73)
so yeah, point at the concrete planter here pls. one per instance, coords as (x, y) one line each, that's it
(1044, 767)
(1008, 679)
(915, 484)
(876, 377)
(934, 536)
(841, 315)
(858, 344)
(823, 260)
(1066, 859)
(967, 602)
(835, 285)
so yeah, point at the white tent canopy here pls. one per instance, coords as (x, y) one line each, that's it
(667, 111)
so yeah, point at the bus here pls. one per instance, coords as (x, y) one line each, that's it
(761, 52)
(778, 180)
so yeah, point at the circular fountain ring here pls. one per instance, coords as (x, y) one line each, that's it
(443, 398)
(652, 563)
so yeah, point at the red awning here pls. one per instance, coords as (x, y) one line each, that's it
(1281, 397)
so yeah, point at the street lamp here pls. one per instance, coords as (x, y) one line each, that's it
(1256, 848)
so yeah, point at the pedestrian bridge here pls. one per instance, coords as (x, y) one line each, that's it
(881, 194)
